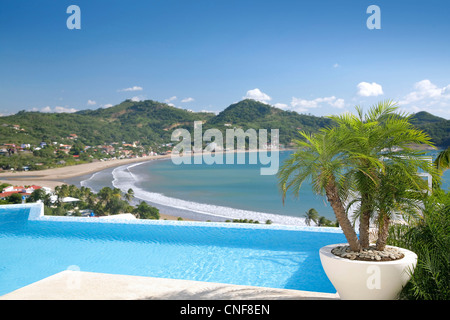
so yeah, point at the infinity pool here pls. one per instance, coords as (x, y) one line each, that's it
(33, 247)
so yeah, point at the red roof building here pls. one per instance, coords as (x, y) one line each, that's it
(6, 192)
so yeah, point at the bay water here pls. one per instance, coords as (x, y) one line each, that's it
(216, 192)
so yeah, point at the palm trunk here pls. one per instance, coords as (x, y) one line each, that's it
(364, 222)
(383, 232)
(342, 218)
(366, 208)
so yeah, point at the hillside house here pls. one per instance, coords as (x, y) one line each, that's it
(23, 191)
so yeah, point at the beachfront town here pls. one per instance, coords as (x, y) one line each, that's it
(69, 151)
(22, 194)
(69, 200)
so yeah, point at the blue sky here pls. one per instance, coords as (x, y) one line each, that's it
(314, 57)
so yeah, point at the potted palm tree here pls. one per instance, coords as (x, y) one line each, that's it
(364, 160)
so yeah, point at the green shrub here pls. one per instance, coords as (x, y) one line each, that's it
(15, 198)
(146, 211)
(429, 238)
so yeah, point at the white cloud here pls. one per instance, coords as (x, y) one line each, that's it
(210, 111)
(257, 95)
(135, 88)
(366, 89)
(138, 98)
(338, 103)
(91, 103)
(65, 110)
(108, 105)
(282, 106)
(425, 90)
(56, 109)
(185, 100)
(427, 96)
(336, 65)
(302, 105)
(173, 98)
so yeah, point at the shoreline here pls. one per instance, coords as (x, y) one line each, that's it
(54, 177)
(122, 178)
(57, 176)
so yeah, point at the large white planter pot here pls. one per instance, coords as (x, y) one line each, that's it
(367, 280)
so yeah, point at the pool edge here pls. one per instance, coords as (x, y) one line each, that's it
(37, 214)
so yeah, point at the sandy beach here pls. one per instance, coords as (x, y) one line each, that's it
(57, 176)
(54, 177)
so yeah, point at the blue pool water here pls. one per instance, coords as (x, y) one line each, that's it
(277, 257)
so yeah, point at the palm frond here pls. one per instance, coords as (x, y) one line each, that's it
(442, 161)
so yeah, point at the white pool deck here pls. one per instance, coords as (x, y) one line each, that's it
(80, 285)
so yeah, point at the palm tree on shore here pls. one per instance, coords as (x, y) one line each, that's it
(105, 195)
(349, 161)
(61, 192)
(129, 195)
(311, 215)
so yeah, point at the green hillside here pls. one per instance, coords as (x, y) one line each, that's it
(148, 121)
(253, 114)
(438, 128)
(151, 123)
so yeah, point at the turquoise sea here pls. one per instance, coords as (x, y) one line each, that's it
(217, 191)
(237, 186)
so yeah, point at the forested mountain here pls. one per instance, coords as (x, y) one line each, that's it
(253, 114)
(148, 121)
(152, 123)
(438, 128)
